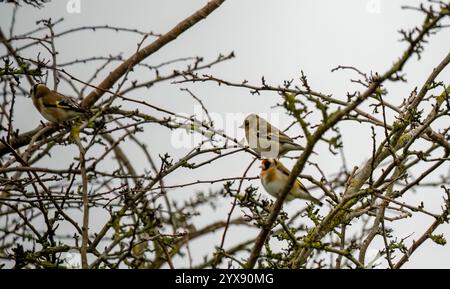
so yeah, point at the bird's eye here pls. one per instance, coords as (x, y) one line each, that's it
(246, 123)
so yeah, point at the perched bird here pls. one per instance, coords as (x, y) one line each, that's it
(274, 176)
(54, 106)
(267, 140)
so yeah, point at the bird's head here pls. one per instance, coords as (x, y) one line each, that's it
(267, 164)
(39, 90)
(250, 121)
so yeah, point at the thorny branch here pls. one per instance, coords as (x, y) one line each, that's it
(99, 201)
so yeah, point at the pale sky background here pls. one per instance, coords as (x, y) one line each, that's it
(274, 39)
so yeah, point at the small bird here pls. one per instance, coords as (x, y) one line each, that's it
(54, 106)
(267, 140)
(274, 176)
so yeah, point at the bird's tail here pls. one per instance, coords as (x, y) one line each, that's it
(315, 201)
(295, 147)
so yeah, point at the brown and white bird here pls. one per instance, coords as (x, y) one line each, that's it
(54, 106)
(267, 140)
(274, 176)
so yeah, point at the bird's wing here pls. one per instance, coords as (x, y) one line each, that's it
(268, 131)
(61, 101)
(285, 171)
(70, 104)
(301, 185)
(283, 138)
(273, 133)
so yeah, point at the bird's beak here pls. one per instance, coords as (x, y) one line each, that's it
(260, 166)
(242, 126)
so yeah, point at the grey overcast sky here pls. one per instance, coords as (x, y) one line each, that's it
(274, 39)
